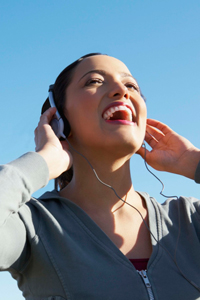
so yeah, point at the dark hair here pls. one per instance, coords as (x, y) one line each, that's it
(59, 90)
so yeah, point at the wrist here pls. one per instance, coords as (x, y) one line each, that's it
(58, 161)
(190, 163)
(48, 160)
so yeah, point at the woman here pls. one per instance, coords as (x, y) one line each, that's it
(85, 240)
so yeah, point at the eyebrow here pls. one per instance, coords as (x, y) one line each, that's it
(102, 72)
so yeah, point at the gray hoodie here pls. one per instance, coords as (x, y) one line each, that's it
(56, 251)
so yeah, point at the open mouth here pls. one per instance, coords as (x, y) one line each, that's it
(120, 112)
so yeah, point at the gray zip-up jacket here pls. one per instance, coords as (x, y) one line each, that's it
(56, 251)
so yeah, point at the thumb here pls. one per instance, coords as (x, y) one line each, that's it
(141, 151)
(68, 156)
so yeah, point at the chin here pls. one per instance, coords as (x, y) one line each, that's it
(122, 146)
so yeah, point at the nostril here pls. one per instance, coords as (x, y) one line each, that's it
(116, 94)
(126, 95)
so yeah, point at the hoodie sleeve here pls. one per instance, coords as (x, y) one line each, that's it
(18, 180)
(197, 174)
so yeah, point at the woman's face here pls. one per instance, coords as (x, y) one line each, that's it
(104, 106)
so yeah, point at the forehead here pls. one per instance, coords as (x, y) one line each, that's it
(100, 62)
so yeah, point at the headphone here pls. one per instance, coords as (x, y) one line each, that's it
(60, 125)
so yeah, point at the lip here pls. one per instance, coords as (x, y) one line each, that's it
(117, 103)
(121, 122)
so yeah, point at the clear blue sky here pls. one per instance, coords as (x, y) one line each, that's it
(158, 40)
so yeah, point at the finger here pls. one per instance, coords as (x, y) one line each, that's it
(151, 140)
(47, 116)
(143, 152)
(159, 125)
(65, 145)
(156, 133)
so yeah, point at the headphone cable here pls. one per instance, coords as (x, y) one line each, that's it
(161, 193)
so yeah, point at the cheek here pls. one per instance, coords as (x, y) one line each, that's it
(82, 116)
(144, 121)
(143, 110)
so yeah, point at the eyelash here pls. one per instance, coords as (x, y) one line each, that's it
(129, 85)
(132, 85)
(94, 81)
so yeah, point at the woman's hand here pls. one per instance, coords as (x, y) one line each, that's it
(54, 151)
(170, 151)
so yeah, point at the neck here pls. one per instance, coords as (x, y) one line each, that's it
(91, 194)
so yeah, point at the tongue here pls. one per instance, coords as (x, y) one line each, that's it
(120, 115)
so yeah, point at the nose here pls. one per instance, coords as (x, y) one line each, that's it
(118, 90)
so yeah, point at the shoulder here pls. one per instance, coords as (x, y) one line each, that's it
(187, 207)
(50, 205)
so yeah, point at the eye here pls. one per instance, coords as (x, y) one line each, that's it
(132, 86)
(94, 81)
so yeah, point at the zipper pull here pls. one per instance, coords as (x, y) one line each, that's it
(147, 283)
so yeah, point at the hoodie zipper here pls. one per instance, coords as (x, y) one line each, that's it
(147, 283)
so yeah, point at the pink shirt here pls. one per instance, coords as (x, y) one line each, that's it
(140, 264)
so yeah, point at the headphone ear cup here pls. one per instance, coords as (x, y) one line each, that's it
(55, 126)
(59, 127)
(59, 123)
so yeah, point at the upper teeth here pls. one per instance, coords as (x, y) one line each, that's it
(109, 113)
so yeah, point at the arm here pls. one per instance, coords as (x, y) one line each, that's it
(18, 180)
(22, 177)
(170, 151)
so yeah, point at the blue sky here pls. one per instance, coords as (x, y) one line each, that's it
(159, 41)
